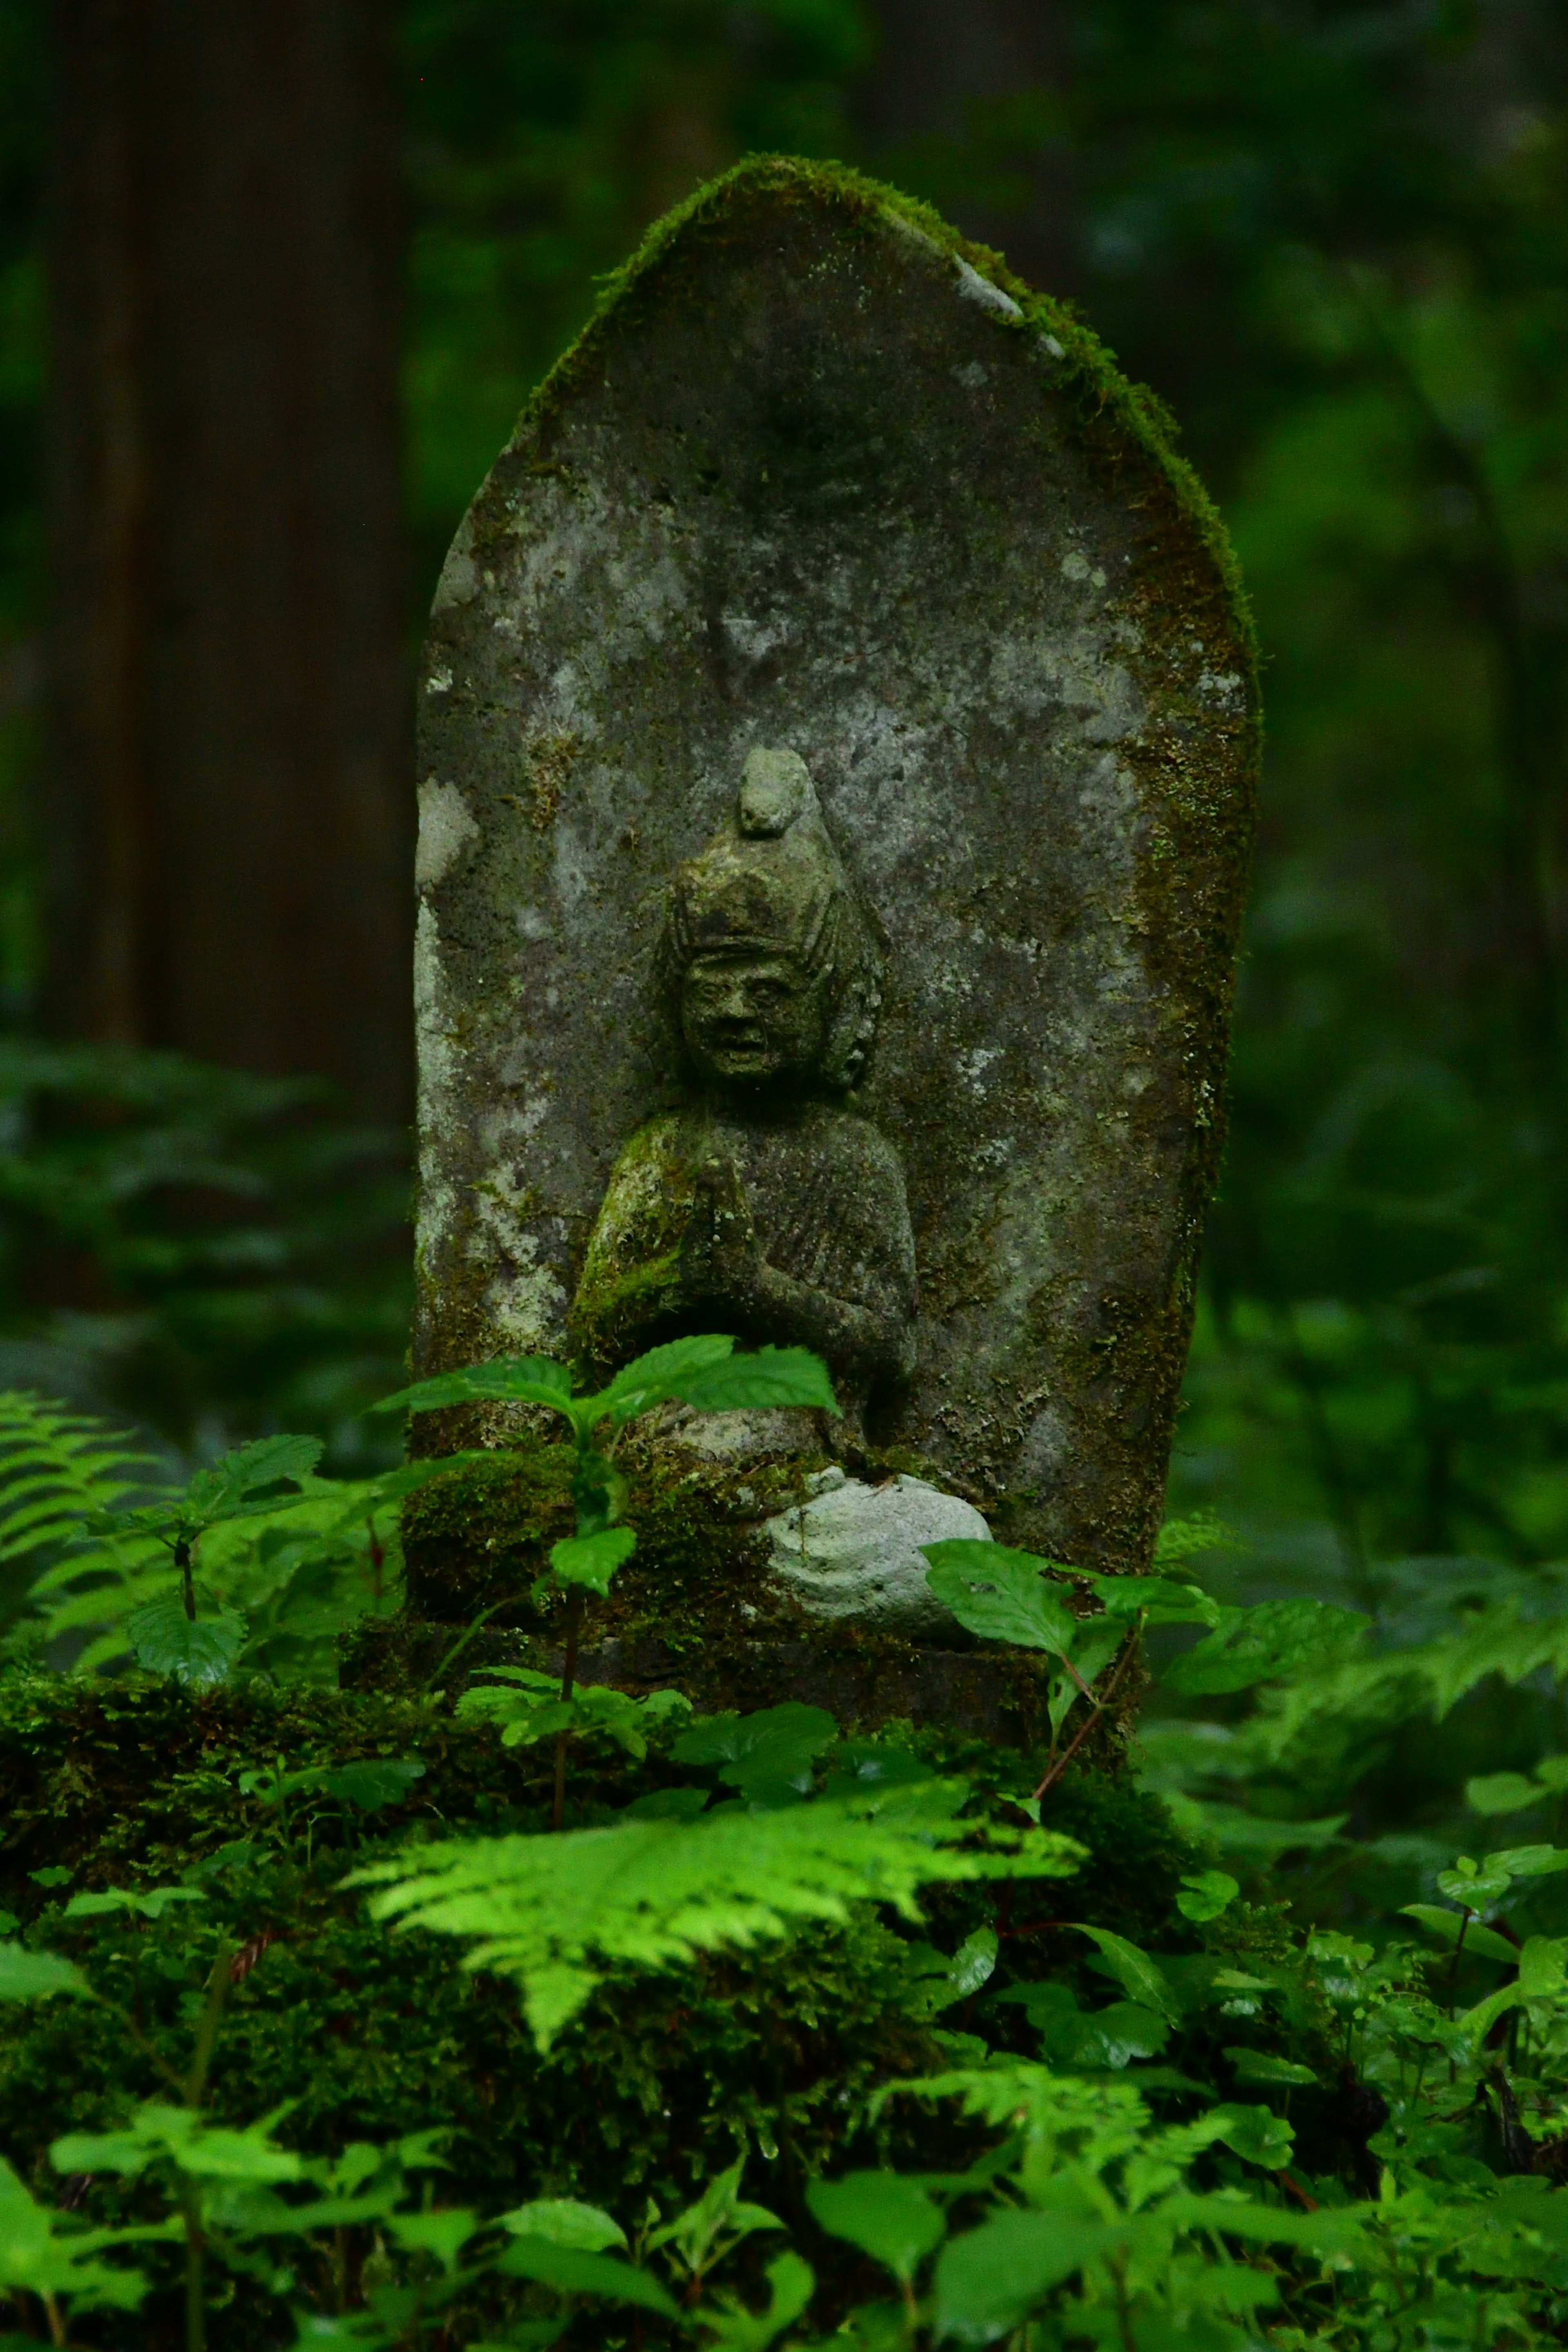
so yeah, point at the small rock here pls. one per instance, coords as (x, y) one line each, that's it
(854, 1551)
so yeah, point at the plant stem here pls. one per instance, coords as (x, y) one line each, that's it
(1099, 1705)
(569, 1675)
(207, 2031)
(195, 2269)
(187, 1583)
(460, 1643)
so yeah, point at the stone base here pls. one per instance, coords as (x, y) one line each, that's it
(993, 1695)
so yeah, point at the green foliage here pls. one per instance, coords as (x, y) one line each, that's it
(256, 1563)
(656, 1891)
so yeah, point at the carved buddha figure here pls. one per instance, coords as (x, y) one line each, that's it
(766, 1205)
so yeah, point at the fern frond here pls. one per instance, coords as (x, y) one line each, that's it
(555, 1911)
(59, 1469)
(63, 1477)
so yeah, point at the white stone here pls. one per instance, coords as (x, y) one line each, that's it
(854, 1551)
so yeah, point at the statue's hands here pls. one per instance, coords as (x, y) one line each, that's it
(721, 1257)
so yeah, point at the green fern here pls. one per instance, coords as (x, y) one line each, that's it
(555, 1911)
(64, 1478)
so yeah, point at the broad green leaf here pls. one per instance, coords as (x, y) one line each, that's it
(572, 2270)
(196, 1651)
(1250, 1837)
(727, 2326)
(1475, 1884)
(377, 1781)
(35, 1976)
(592, 1560)
(1204, 1897)
(767, 1756)
(1184, 1539)
(1110, 2037)
(1446, 1925)
(1541, 1966)
(506, 1380)
(149, 1905)
(443, 2234)
(1266, 1643)
(1501, 1793)
(207, 2152)
(563, 2221)
(1551, 1771)
(717, 2221)
(1255, 2133)
(1157, 1599)
(647, 1381)
(762, 1381)
(999, 1595)
(989, 2280)
(1262, 2066)
(1528, 1861)
(1140, 1978)
(228, 1488)
(891, 2219)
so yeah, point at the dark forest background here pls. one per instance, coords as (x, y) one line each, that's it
(275, 276)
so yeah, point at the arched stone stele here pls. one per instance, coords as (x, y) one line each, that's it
(822, 480)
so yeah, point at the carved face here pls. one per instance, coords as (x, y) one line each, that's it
(749, 1017)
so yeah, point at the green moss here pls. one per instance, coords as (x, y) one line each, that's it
(367, 2034)
(1100, 389)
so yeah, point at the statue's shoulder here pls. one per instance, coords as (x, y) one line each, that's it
(661, 1142)
(856, 1141)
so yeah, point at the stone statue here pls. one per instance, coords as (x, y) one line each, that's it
(767, 1205)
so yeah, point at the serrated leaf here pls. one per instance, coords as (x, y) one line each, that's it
(1266, 1644)
(572, 2270)
(766, 1381)
(1528, 1861)
(151, 1905)
(769, 1756)
(647, 1381)
(555, 1911)
(592, 1560)
(563, 2221)
(196, 1651)
(999, 1595)
(378, 1780)
(37, 1976)
(1446, 1925)
(506, 1380)
(1263, 2066)
(1255, 2133)
(227, 1488)
(891, 2219)
(1140, 1978)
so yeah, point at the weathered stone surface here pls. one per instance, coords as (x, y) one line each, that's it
(821, 480)
(852, 1550)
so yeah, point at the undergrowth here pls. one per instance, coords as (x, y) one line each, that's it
(497, 2012)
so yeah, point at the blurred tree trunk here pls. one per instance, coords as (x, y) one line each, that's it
(230, 807)
(946, 73)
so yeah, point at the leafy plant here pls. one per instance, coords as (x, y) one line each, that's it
(703, 1373)
(256, 1563)
(657, 1891)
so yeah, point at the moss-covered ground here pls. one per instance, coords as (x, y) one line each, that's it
(368, 2034)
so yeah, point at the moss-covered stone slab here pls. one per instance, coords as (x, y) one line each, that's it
(823, 493)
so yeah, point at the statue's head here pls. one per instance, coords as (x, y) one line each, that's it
(770, 957)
